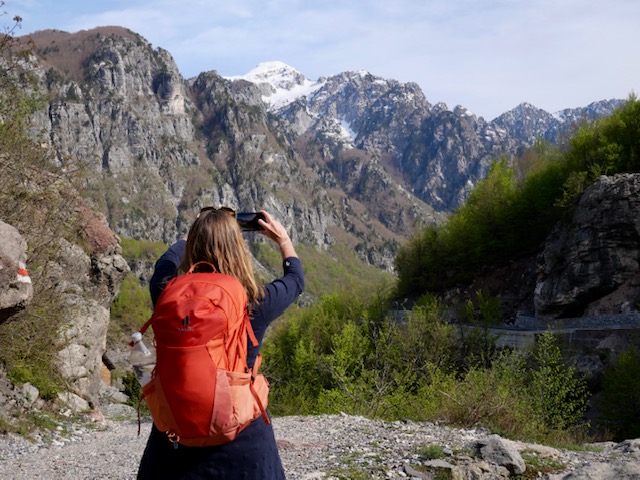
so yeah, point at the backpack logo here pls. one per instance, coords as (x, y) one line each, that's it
(185, 325)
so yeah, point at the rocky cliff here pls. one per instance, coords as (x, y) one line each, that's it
(590, 263)
(352, 157)
(16, 290)
(60, 307)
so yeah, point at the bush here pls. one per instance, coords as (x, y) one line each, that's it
(132, 388)
(130, 310)
(494, 397)
(37, 198)
(343, 354)
(621, 396)
(347, 355)
(133, 249)
(478, 345)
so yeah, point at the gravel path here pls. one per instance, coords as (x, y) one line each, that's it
(322, 447)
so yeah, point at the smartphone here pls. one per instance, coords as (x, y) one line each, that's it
(249, 221)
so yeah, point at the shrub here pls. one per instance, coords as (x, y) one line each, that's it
(494, 397)
(130, 310)
(36, 197)
(431, 452)
(133, 249)
(621, 396)
(344, 355)
(478, 345)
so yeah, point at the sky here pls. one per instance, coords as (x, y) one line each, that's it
(486, 55)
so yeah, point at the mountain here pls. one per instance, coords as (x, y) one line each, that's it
(352, 159)
(433, 152)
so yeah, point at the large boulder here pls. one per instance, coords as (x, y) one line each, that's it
(87, 283)
(16, 289)
(590, 263)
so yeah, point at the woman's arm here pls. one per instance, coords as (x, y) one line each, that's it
(276, 232)
(281, 293)
(166, 268)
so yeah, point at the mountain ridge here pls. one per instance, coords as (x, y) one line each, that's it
(280, 75)
(350, 156)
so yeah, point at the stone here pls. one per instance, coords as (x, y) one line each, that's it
(16, 290)
(74, 402)
(499, 451)
(118, 410)
(30, 393)
(614, 470)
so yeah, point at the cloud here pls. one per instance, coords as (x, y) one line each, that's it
(488, 56)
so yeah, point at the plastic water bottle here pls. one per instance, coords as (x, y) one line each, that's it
(143, 360)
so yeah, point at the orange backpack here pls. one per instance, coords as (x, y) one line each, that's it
(201, 392)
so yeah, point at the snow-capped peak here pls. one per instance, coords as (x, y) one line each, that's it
(277, 74)
(287, 84)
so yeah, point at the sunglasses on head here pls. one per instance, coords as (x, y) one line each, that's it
(228, 210)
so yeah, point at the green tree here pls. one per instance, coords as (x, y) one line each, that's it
(559, 393)
(478, 344)
(621, 396)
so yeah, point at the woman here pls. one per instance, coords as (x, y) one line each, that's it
(215, 237)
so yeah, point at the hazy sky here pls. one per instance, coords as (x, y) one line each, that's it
(487, 55)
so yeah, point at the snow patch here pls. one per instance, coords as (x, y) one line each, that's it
(347, 131)
(287, 84)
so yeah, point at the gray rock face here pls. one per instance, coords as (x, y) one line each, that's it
(16, 289)
(356, 157)
(590, 263)
(88, 285)
(84, 280)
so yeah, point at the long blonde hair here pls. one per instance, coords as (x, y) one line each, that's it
(215, 237)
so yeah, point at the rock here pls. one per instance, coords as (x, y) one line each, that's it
(73, 402)
(84, 278)
(413, 473)
(614, 470)
(87, 284)
(111, 395)
(629, 446)
(591, 262)
(30, 393)
(501, 452)
(118, 411)
(16, 289)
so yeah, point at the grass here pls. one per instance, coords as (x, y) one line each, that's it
(351, 473)
(431, 452)
(538, 465)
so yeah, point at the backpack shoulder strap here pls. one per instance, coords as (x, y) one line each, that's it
(249, 327)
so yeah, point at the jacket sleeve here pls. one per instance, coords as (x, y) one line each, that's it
(166, 268)
(281, 293)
